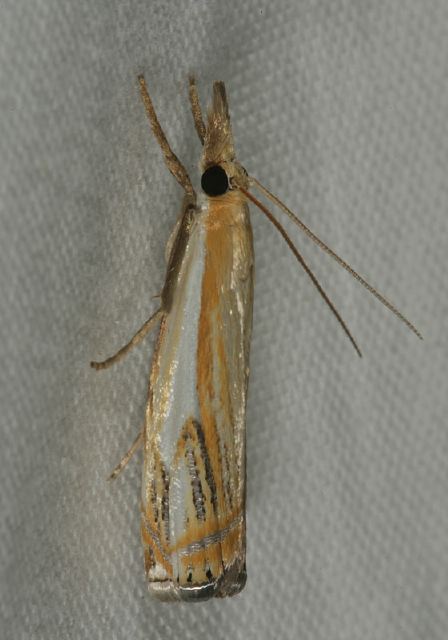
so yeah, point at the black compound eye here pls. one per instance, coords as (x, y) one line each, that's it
(214, 181)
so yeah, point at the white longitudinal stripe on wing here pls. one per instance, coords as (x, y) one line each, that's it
(179, 351)
(176, 388)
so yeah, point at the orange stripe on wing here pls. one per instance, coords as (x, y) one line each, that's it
(222, 220)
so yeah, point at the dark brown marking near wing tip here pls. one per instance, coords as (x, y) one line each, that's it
(149, 559)
(155, 550)
(165, 509)
(227, 485)
(196, 486)
(207, 464)
(153, 499)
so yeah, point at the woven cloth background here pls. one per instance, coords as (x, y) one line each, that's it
(340, 107)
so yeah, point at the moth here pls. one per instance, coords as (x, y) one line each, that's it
(193, 523)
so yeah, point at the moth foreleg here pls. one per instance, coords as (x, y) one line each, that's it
(173, 163)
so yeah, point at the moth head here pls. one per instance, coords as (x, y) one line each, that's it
(218, 179)
(218, 141)
(220, 171)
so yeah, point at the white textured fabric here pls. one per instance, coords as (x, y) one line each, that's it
(340, 107)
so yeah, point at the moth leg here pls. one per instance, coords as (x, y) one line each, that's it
(196, 108)
(127, 456)
(141, 333)
(171, 160)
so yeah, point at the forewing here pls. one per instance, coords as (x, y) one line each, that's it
(193, 523)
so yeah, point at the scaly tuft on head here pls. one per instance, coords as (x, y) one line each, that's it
(218, 143)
